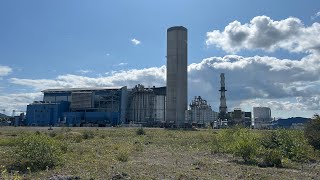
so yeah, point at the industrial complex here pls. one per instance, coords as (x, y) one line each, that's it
(143, 106)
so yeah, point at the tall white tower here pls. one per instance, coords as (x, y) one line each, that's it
(177, 75)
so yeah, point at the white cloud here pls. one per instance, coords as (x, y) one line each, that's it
(122, 64)
(315, 16)
(135, 41)
(84, 71)
(18, 101)
(5, 70)
(148, 76)
(264, 33)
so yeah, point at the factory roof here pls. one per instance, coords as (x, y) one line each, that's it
(80, 89)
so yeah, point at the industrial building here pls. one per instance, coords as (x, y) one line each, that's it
(146, 106)
(261, 117)
(79, 107)
(177, 76)
(200, 113)
(239, 117)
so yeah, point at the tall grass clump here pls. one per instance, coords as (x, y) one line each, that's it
(140, 131)
(37, 152)
(87, 134)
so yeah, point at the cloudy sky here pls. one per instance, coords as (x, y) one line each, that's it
(268, 50)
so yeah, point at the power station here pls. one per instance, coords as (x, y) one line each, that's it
(177, 76)
(140, 105)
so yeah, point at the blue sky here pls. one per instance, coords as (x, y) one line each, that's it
(53, 44)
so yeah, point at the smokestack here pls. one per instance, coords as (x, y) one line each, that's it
(177, 72)
(223, 101)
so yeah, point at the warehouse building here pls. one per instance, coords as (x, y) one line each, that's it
(102, 106)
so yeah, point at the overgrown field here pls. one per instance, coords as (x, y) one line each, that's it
(132, 153)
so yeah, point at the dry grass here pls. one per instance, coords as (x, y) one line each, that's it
(160, 154)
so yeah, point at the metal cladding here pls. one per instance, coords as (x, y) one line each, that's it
(223, 102)
(177, 73)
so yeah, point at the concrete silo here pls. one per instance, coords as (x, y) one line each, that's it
(177, 75)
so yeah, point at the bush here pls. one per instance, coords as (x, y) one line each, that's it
(284, 144)
(245, 144)
(272, 157)
(37, 152)
(87, 134)
(312, 130)
(140, 131)
(52, 133)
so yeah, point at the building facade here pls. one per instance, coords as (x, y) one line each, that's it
(200, 113)
(261, 117)
(146, 106)
(239, 117)
(79, 107)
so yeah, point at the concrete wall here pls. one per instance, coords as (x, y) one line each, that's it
(177, 75)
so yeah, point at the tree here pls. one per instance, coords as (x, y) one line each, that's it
(312, 131)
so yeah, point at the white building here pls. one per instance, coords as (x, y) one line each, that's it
(261, 117)
(200, 113)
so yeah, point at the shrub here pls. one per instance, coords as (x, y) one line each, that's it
(87, 134)
(272, 157)
(140, 131)
(284, 144)
(312, 130)
(37, 152)
(52, 133)
(245, 144)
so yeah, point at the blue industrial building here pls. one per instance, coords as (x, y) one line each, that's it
(102, 106)
(41, 113)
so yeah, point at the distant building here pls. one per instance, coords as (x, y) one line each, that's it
(200, 113)
(261, 117)
(239, 117)
(101, 106)
(41, 113)
(146, 106)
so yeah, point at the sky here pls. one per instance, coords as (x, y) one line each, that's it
(269, 50)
